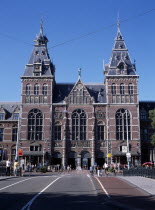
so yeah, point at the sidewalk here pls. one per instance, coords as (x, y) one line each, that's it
(6, 177)
(144, 183)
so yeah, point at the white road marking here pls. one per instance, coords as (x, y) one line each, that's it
(28, 205)
(92, 183)
(103, 188)
(15, 183)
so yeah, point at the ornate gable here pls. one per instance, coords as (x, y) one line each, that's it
(79, 95)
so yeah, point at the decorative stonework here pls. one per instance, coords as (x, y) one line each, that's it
(100, 114)
(80, 144)
(58, 115)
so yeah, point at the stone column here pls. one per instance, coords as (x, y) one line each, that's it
(79, 162)
(93, 139)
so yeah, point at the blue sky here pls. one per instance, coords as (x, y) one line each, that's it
(68, 19)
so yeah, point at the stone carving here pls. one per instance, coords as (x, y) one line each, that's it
(57, 143)
(58, 115)
(100, 114)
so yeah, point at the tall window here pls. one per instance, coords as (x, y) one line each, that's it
(1, 133)
(57, 131)
(14, 132)
(44, 89)
(100, 131)
(130, 89)
(36, 89)
(113, 89)
(2, 115)
(123, 127)
(122, 89)
(78, 125)
(35, 125)
(28, 89)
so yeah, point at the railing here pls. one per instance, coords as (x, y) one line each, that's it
(80, 143)
(145, 172)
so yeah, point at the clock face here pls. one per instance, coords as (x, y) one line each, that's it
(37, 66)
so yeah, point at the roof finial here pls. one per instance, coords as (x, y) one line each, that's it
(41, 25)
(118, 23)
(79, 73)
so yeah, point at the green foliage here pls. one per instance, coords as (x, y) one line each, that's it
(111, 170)
(152, 117)
(43, 169)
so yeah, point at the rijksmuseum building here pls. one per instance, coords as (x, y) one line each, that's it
(77, 124)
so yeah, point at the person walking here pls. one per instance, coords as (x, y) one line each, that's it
(15, 167)
(8, 165)
(106, 168)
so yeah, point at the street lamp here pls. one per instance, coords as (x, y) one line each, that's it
(17, 142)
(127, 138)
(45, 141)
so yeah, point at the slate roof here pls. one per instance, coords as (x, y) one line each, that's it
(9, 108)
(119, 55)
(40, 57)
(97, 91)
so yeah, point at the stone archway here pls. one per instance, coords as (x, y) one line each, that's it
(57, 159)
(100, 159)
(72, 159)
(85, 160)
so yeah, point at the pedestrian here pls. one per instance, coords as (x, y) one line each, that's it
(91, 170)
(8, 165)
(68, 168)
(114, 169)
(15, 167)
(106, 168)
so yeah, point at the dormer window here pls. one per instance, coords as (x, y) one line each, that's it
(2, 115)
(15, 116)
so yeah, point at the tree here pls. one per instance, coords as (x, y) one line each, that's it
(152, 117)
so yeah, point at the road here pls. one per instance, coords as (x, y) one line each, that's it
(70, 192)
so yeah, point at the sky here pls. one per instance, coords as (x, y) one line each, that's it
(66, 20)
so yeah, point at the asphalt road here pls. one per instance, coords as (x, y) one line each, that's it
(67, 192)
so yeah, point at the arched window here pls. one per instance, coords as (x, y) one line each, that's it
(130, 89)
(44, 89)
(14, 132)
(28, 89)
(36, 89)
(78, 125)
(100, 131)
(35, 125)
(113, 89)
(122, 89)
(123, 127)
(57, 131)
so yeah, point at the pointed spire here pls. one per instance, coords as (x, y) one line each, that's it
(41, 39)
(41, 26)
(79, 73)
(119, 36)
(118, 24)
